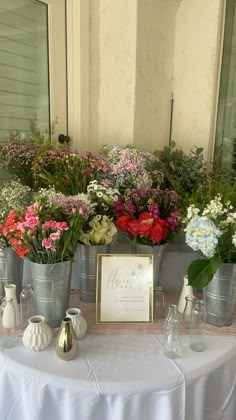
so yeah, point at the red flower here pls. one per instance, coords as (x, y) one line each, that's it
(122, 222)
(133, 227)
(21, 252)
(159, 231)
(11, 218)
(145, 227)
(145, 216)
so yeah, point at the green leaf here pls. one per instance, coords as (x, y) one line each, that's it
(172, 144)
(199, 150)
(201, 272)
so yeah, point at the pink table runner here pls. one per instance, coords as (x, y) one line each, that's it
(89, 313)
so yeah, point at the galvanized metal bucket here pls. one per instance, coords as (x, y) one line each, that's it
(88, 269)
(158, 253)
(220, 296)
(10, 270)
(51, 287)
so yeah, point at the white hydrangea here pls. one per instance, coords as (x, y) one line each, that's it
(202, 235)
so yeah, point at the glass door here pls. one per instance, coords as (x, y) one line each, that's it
(32, 66)
(226, 116)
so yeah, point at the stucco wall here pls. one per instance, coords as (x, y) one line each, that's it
(112, 70)
(154, 72)
(140, 52)
(195, 71)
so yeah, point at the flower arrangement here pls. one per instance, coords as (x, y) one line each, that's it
(149, 216)
(21, 154)
(13, 195)
(17, 158)
(72, 172)
(129, 167)
(47, 232)
(100, 229)
(211, 232)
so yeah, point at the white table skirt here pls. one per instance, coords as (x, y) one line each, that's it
(122, 377)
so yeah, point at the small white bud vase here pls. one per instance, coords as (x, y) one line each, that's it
(78, 322)
(37, 336)
(10, 292)
(186, 291)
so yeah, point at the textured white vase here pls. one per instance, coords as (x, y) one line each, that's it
(37, 336)
(78, 322)
(186, 290)
(10, 292)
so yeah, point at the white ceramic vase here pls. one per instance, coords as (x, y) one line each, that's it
(186, 291)
(78, 322)
(8, 314)
(10, 292)
(37, 335)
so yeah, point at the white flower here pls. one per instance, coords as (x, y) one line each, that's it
(102, 231)
(202, 235)
(192, 211)
(214, 208)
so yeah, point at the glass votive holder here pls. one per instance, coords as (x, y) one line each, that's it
(8, 323)
(159, 303)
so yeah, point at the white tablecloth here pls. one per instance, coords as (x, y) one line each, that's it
(122, 377)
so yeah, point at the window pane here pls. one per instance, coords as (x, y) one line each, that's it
(24, 80)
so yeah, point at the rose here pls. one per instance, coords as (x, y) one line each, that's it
(145, 227)
(122, 222)
(158, 231)
(146, 221)
(133, 227)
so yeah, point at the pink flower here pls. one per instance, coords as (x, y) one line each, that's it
(62, 226)
(21, 226)
(47, 243)
(56, 235)
(30, 213)
(32, 222)
(50, 224)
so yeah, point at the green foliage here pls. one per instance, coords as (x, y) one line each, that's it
(201, 272)
(216, 181)
(182, 172)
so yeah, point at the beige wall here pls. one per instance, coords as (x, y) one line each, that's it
(154, 72)
(141, 51)
(195, 71)
(112, 71)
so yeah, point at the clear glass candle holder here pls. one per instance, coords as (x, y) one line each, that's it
(27, 305)
(159, 303)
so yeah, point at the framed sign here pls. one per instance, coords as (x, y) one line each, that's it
(124, 288)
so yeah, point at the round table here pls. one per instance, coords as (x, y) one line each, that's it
(120, 377)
